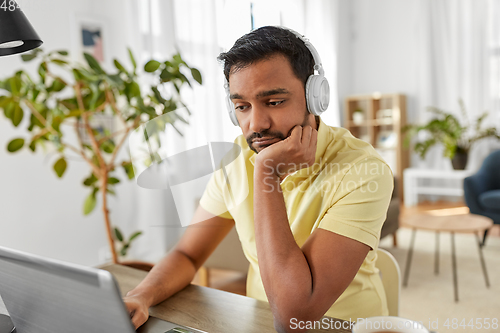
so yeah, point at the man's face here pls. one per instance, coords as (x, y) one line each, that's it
(269, 101)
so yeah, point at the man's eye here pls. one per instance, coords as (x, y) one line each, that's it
(276, 103)
(240, 107)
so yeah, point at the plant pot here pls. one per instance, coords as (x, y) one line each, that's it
(459, 161)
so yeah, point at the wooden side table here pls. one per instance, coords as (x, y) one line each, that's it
(464, 223)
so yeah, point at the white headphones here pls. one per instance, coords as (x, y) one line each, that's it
(317, 87)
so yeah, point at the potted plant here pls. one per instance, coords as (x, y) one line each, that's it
(446, 129)
(87, 99)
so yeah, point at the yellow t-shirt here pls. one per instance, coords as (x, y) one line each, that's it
(346, 191)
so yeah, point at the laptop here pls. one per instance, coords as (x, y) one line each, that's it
(49, 296)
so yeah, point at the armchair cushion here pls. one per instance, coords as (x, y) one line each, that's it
(490, 200)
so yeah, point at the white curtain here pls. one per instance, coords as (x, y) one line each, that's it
(156, 213)
(455, 62)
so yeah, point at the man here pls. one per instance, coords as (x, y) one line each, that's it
(318, 197)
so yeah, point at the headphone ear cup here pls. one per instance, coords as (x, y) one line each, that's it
(317, 94)
(232, 114)
(230, 105)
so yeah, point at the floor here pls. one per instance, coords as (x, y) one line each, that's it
(235, 282)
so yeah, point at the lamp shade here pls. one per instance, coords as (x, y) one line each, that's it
(16, 33)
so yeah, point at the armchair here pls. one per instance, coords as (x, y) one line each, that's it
(482, 190)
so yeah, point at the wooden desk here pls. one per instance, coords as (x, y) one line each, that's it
(209, 309)
(206, 308)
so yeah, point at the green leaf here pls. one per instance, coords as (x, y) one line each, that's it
(74, 113)
(57, 85)
(132, 90)
(176, 86)
(15, 145)
(118, 234)
(5, 102)
(113, 180)
(15, 85)
(90, 180)
(184, 79)
(166, 76)
(32, 145)
(42, 70)
(31, 55)
(177, 58)
(129, 169)
(28, 57)
(196, 75)
(134, 236)
(89, 204)
(115, 79)
(158, 95)
(87, 75)
(17, 115)
(119, 66)
(77, 74)
(59, 62)
(108, 146)
(60, 167)
(132, 59)
(152, 66)
(63, 53)
(8, 110)
(123, 251)
(93, 63)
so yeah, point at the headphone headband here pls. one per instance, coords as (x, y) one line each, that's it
(318, 66)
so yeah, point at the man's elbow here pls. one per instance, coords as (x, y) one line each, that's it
(286, 326)
(293, 320)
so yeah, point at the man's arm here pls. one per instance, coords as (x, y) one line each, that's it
(300, 283)
(194, 247)
(303, 283)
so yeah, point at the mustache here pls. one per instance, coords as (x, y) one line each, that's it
(265, 134)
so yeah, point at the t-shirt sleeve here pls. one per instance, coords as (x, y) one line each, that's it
(359, 205)
(212, 199)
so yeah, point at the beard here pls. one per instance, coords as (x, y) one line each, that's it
(273, 134)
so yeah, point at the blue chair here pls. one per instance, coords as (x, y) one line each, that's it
(482, 190)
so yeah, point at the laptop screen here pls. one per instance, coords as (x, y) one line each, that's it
(48, 296)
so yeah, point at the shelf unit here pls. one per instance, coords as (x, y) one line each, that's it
(378, 119)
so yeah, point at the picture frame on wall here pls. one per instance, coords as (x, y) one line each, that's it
(90, 36)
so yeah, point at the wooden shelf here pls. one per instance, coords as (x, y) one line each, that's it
(372, 122)
(382, 122)
(384, 115)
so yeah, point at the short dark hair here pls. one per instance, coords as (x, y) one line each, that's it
(264, 43)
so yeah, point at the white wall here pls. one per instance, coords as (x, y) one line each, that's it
(40, 213)
(378, 49)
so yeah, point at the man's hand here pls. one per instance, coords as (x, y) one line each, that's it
(138, 309)
(296, 152)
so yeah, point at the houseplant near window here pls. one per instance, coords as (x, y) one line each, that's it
(86, 99)
(446, 129)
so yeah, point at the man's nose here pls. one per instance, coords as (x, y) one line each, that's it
(259, 120)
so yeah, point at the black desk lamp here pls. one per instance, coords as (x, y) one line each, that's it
(16, 33)
(16, 36)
